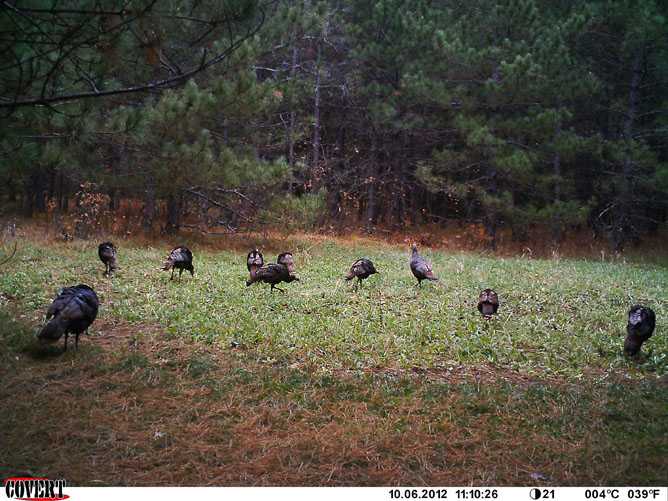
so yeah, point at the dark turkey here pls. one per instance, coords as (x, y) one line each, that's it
(488, 303)
(420, 267)
(272, 274)
(639, 328)
(107, 253)
(288, 261)
(180, 259)
(254, 261)
(71, 312)
(362, 268)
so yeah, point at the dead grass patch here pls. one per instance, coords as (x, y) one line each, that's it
(130, 409)
(451, 236)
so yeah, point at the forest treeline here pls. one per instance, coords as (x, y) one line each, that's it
(238, 114)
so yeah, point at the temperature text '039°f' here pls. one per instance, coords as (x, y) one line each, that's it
(606, 493)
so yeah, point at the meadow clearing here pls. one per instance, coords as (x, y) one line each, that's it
(204, 381)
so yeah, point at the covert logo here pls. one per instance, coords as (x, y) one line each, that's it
(34, 489)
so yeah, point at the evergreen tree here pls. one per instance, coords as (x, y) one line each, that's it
(516, 115)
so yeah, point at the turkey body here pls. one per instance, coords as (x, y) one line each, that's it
(180, 258)
(107, 253)
(273, 274)
(362, 268)
(488, 303)
(420, 267)
(639, 328)
(72, 312)
(254, 261)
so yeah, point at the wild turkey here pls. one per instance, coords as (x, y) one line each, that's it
(639, 328)
(107, 253)
(273, 274)
(179, 259)
(420, 267)
(288, 261)
(254, 261)
(71, 312)
(488, 303)
(362, 268)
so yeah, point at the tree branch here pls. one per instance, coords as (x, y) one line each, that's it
(160, 84)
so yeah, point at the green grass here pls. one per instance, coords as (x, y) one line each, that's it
(327, 384)
(557, 317)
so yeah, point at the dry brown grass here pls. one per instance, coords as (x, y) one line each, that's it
(137, 407)
(451, 237)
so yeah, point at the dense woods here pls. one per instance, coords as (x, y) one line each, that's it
(224, 116)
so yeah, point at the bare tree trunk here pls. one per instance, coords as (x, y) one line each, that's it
(113, 199)
(399, 212)
(315, 176)
(334, 199)
(173, 214)
(490, 224)
(415, 207)
(28, 197)
(148, 214)
(40, 192)
(557, 223)
(623, 228)
(316, 121)
(51, 183)
(63, 187)
(371, 198)
(491, 218)
(291, 125)
(12, 191)
(59, 191)
(117, 160)
(371, 188)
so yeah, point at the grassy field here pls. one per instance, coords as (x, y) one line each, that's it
(205, 381)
